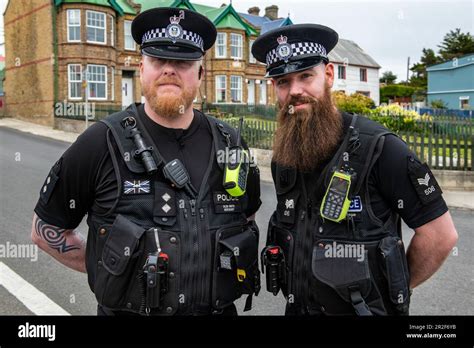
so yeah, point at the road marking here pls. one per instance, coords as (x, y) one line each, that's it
(31, 297)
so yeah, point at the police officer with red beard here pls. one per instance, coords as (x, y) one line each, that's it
(343, 183)
(165, 237)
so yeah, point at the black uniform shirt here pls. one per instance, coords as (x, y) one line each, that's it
(87, 178)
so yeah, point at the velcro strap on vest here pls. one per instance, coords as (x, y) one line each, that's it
(361, 308)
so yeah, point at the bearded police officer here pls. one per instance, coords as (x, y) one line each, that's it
(165, 237)
(334, 242)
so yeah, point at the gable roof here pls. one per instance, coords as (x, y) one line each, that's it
(222, 17)
(348, 51)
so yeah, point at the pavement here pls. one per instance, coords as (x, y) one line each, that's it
(454, 198)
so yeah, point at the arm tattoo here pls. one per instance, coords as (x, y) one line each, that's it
(53, 236)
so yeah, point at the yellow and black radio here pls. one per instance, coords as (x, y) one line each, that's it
(237, 167)
(336, 201)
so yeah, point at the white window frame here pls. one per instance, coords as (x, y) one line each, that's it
(89, 82)
(128, 34)
(238, 45)
(365, 75)
(112, 93)
(94, 27)
(220, 88)
(238, 89)
(252, 59)
(221, 45)
(461, 98)
(69, 11)
(342, 68)
(112, 29)
(69, 81)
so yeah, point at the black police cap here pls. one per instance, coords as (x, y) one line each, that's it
(173, 33)
(294, 48)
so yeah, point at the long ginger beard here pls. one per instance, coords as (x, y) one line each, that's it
(169, 104)
(306, 138)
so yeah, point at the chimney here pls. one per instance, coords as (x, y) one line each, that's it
(254, 11)
(271, 12)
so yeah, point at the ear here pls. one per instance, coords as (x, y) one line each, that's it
(329, 73)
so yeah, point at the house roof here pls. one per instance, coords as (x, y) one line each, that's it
(348, 51)
(460, 62)
(264, 23)
(121, 6)
(222, 17)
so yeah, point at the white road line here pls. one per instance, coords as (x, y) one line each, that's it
(31, 297)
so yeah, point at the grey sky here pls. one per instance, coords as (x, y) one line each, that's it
(390, 31)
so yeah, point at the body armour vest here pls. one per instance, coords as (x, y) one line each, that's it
(161, 251)
(355, 266)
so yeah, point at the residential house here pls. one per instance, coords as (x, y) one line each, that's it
(452, 82)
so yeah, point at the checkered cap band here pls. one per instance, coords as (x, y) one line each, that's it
(297, 49)
(161, 33)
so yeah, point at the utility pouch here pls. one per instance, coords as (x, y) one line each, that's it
(395, 270)
(235, 264)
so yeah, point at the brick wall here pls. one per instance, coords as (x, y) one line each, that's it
(29, 92)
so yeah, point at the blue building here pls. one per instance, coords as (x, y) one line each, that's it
(452, 82)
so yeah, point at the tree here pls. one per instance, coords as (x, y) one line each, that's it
(420, 78)
(456, 44)
(388, 77)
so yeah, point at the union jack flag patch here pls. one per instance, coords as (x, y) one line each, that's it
(136, 187)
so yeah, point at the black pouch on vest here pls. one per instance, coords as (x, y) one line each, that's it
(236, 264)
(395, 270)
(349, 277)
(116, 270)
(284, 239)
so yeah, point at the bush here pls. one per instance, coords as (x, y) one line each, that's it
(438, 104)
(400, 91)
(356, 103)
(397, 119)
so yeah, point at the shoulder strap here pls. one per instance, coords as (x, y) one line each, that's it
(126, 145)
(224, 136)
(361, 141)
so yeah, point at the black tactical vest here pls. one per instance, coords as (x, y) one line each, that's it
(356, 266)
(210, 248)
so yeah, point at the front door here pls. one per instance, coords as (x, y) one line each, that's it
(251, 92)
(127, 91)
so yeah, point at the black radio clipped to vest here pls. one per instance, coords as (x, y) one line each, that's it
(176, 172)
(273, 262)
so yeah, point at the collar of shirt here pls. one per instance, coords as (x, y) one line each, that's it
(177, 134)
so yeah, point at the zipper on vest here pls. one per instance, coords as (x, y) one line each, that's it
(195, 266)
(204, 251)
(186, 288)
(309, 207)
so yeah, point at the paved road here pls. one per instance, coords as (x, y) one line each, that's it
(25, 160)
